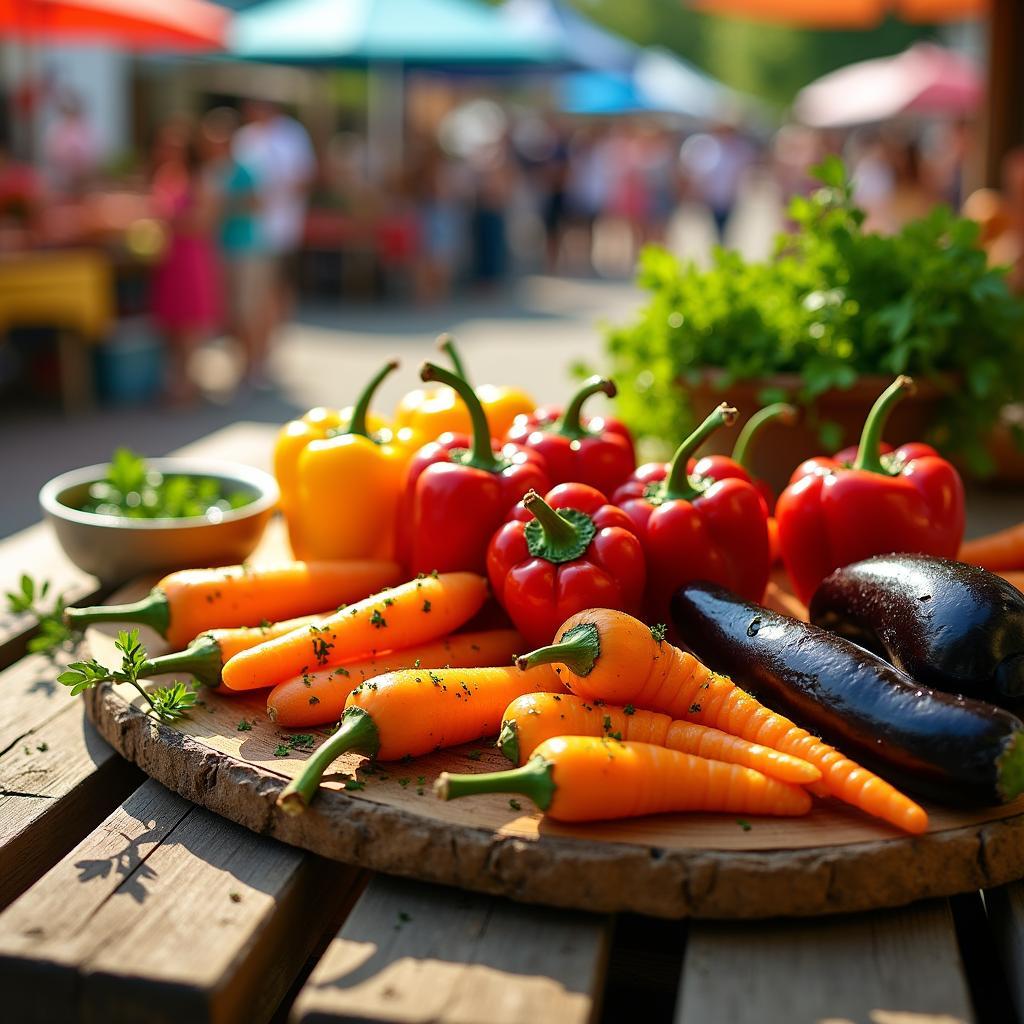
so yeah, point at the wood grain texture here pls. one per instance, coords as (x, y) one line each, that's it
(166, 913)
(888, 967)
(411, 954)
(1006, 917)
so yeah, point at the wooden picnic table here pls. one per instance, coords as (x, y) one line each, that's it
(123, 902)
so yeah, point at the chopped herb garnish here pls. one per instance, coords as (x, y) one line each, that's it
(474, 755)
(377, 620)
(354, 784)
(235, 897)
(694, 708)
(339, 671)
(629, 710)
(42, 747)
(658, 632)
(404, 782)
(745, 825)
(515, 804)
(314, 699)
(282, 750)
(244, 726)
(426, 606)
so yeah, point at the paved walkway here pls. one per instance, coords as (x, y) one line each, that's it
(528, 337)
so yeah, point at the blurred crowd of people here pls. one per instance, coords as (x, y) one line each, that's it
(486, 191)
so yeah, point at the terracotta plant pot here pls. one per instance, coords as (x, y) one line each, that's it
(779, 449)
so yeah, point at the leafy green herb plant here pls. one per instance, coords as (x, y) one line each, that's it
(52, 634)
(834, 303)
(168, 703)
(133, 490)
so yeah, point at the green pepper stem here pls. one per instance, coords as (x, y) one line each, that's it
(357, 732)
(869, 456)
(153, 610)
(781, 411)
(569, 425)
(1010, 768)
(677, 483)
(508, 740)
(533, 779)
(481, 455)
(357, 425)
(446, 344)
(578, 650)
(201, 659)
(557, 530)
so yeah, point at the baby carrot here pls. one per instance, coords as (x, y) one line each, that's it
(530, 720)
(584, 778)
(412, 613)
(191, 601)
(611, 656)
(318, 697)
(1003, 550)
(414, 711)
(206, 655)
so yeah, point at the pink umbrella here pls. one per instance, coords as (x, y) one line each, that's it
(925, 80)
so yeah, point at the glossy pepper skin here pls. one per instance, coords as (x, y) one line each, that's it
(343, 482)
(597, 451)
(561, 554)
(431, 412)
(696, 529)
(911, 500)
(459, 490)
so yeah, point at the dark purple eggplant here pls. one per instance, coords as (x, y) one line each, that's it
(951, 626)
(955, 750)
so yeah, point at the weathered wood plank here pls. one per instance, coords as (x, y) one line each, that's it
(879, 968)
(1006, 917)
(58, 777)
(416, 953)
(166, 913)
(56, 784)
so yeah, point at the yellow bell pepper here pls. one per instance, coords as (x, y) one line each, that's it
(432, 412)
(340, 474)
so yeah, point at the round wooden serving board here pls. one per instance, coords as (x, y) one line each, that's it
(223, 756)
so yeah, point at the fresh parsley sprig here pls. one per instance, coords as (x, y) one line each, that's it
(52, 633)
(168, 703)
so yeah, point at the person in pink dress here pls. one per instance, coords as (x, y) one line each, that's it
(188, 287)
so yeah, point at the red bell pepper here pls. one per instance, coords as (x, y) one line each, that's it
(697, 529)
(724, 467)
(597, 451)
(459, 490)
(559, 556)
(831, 515)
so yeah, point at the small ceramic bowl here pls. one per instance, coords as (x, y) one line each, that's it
(116, 548)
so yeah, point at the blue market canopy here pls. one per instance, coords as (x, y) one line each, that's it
(584, 43)
(426, 33)
(659, 83)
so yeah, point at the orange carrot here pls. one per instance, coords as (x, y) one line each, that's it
(191, 601)
(414, 711)
(584, 778)
(319, 697)
(207, 654)
(996, 551)
(530, 720)
(611, 656)
(412, 613)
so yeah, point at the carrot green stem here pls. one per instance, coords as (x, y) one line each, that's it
(357, 732)
(869, 456)
(781, 411)
(508, 741)
(556, 536)
(569, 425)
(201, 659)
(446, 344)
(362, 406)
(481, 455)
(578, 650)
(153, 610)
(534, 779)
(677, 485)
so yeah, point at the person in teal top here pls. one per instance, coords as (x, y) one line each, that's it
(248, 263)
